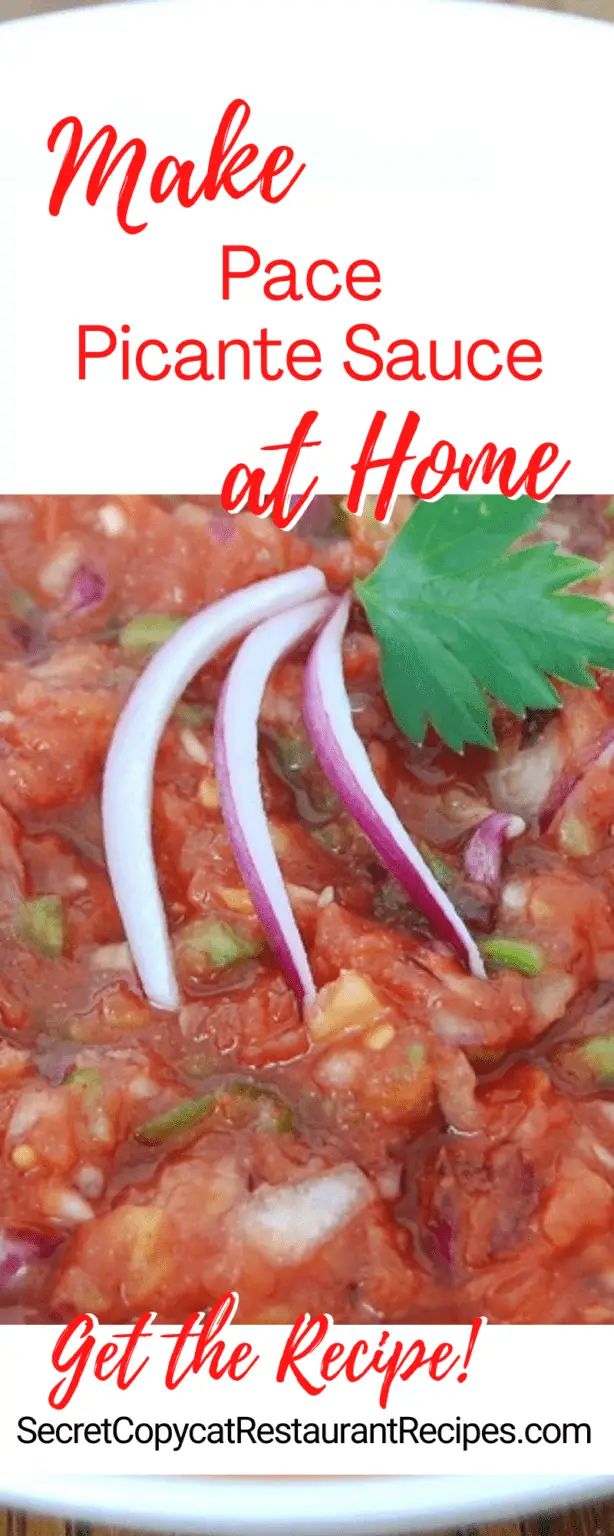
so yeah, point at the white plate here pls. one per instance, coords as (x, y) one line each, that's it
(318, 1506)
(249, 1507)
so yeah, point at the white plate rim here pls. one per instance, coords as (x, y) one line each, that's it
(372, 1506)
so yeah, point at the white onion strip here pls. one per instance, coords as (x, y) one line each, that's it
(345, 761)
(128, 779)
(238, 780)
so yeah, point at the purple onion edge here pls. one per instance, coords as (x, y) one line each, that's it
(356, 800)
(233, 822)
(483, 857)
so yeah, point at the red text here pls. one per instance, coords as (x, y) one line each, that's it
(235, 166)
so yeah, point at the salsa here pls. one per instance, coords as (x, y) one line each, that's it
(420, 1144)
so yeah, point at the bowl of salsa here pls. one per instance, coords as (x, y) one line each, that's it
(411, 1137)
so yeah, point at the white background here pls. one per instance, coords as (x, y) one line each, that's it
(467, 150)
(520, 1374)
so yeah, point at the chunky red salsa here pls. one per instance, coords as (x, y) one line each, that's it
(422, 1144)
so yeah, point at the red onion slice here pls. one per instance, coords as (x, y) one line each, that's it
(55, 1063)
(20, 1248)
(598, 755)
(128, 779)
(87, 589)
(484, 851)
(236, 764)
(345, 761)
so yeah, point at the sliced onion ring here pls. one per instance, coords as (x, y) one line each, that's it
(236, 765)
(344, 759)
(484, 851)
(128, 779)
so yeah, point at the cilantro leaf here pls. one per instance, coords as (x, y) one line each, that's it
(461, 620)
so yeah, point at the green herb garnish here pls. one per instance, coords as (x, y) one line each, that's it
(183, 1118)
(513, 955)
(217, 942)
(148, 630)
(598, 1054)
(439, 867)
(459, 618)
(88, 1081)
(40, 925)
